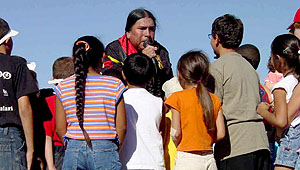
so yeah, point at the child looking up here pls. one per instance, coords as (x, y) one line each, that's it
(143, 144)
(197, 119)
(285, 58)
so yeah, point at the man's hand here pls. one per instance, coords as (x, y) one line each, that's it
(149, 51)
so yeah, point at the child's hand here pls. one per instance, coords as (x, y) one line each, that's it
(262, 107)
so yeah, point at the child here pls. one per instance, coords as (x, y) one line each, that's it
(197, 119)
(143, 144)
(90, 112)
(273, 77)
(63, 67)
(285, 58)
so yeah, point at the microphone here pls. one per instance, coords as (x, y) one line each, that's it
(150, 42)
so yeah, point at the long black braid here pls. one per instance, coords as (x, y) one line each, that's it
(83, 59)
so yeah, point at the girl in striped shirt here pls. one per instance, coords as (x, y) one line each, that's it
(90, 113)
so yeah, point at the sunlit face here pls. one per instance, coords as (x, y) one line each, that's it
(141, 31)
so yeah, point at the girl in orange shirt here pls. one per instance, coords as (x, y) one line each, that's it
(197, 119)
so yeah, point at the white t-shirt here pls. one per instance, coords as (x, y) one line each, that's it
(143, 144)
(288, 83)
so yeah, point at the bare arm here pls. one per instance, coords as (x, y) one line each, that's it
(49, 153)
(26, 116)
(60, 120)
(220, 125)
(162, 126)
(121, 121)
(175, 127)
(294, 105)
(279, 117)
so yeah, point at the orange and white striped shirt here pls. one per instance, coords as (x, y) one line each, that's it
(102, 94)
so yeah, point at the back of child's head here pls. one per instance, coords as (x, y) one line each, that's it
(250, 53)
(87, 53)
(62, 68)
(138, 69)
(193, 68)
(286, 46)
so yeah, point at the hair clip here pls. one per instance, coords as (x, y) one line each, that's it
(86, 45)
(285, 51)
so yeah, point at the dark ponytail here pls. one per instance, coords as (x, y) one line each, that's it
(87, 52)
(194, 69)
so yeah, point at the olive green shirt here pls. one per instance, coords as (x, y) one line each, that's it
(237, 85)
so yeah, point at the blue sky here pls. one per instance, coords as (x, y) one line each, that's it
(48, 28)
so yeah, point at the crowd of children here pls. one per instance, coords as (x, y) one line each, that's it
(121, 107)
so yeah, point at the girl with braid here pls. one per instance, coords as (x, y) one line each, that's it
(90, 112)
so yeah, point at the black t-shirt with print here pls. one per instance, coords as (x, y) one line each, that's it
(15, 81)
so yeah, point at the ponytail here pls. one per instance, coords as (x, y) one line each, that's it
(207, 106)
(193, 67)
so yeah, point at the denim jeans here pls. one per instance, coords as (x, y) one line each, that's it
(103, 156)
(289, 144)
(59, 153)
(12, 149)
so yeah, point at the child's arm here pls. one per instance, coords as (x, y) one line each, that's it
(294, 105)
(220, 126)
(162, 123)
(49, 153)
(175, 127)
(60, 120)
(121, 121)
(279, 117)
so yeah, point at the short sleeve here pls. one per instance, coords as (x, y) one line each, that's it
(281, 85)
(120, 90)
(58, 92)
(25, 82)
(173, 102)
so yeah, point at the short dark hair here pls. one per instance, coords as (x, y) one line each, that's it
(62, 68)
(250, 53)
(138, 69)
(137, 14)
(4, 28)
(229, 29)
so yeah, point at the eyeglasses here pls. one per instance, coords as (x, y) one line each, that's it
(209, 36)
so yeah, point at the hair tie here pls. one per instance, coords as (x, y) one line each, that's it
(86, 45)
(198, 81)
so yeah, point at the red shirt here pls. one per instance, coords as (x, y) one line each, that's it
(49, 125)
